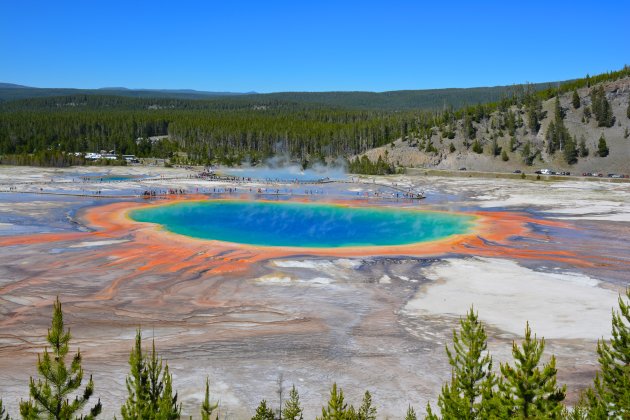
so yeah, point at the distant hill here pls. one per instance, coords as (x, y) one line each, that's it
(393, 100)
(401, 99)
(12, 86)
(11, 92)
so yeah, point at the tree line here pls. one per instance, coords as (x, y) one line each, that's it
(431, 99)
(232, 130)
(205, 135)
(524, 389)
(365, 166)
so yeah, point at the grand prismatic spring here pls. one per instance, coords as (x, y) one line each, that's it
(303, 225)
(246, 280)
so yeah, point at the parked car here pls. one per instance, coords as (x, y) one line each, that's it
(518, 171)
(462, 169)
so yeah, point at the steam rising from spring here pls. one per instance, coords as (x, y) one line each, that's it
(281, 168)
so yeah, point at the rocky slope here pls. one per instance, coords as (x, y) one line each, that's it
(411, 152)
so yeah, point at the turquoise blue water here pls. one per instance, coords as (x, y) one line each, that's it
(303, 225)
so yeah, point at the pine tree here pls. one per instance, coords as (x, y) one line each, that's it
(533, 108)
(263, 412)
(471, 372)
(50, 398)
(601, 107)
(495, 149)
(156, 384)
(596, 102)
(557, 135)
(558, 111)
(149, 386)
(576, 99)
(367, 411)
(628, 110)
(504, 156)
(477, 147)
(137, 383)
(336, 408)
(526, 391)
(468, 128)
(206, 407)
(570, 151)
(411, 414)
(602, 147)
(550, 136)
(3, 414)
(583, 149)
(451, 148)
(527, 154)
(512, 143)
(608, 118)
(510, 123)
(168, 409)
(610, 395)
(292, 409)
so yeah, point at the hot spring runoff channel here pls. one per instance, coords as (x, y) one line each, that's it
(303, 225)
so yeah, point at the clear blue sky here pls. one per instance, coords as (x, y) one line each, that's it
(297, 45)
